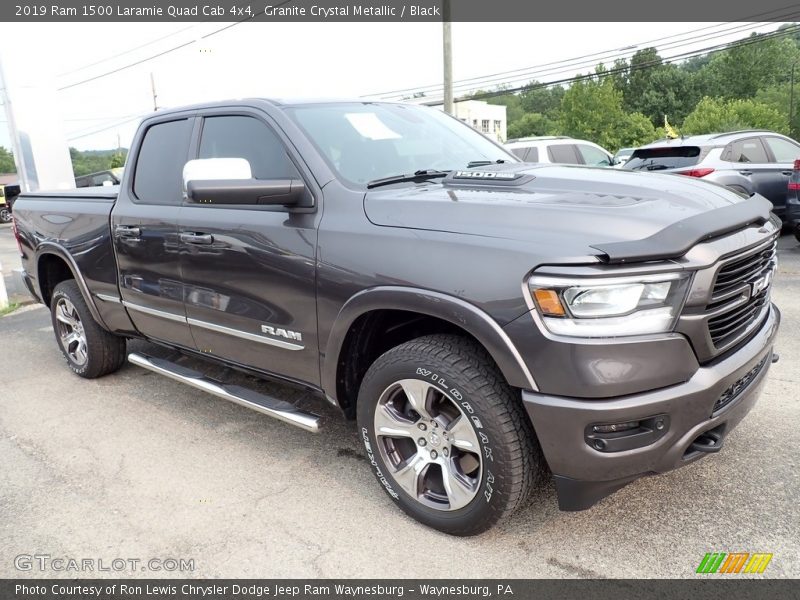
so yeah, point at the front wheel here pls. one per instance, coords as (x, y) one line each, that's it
(446, 436)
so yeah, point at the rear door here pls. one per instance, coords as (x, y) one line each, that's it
(566, 154)
(751, 160)
(144, 224)
(250, 282)
(782, 154)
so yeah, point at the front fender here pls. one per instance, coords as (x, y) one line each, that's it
(449, 308)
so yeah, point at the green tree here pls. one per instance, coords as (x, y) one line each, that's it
(713, 115)
(544, 100)
(636, 130)
(670, 92)
(7, 161)
(640, 74)
(742, 70)
(532, 124)
(512, 103)
(117, 160)
(92, 161)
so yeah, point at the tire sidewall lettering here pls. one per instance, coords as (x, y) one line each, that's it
(484, 441)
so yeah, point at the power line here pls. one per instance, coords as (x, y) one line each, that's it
(528, 72)
(168, 51)
(644, 66)
(585, 64)
(112, 57)
(117, 124)
(495, 80)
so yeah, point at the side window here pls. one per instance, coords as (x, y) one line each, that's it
(563, 153)
(159, 167)
(593, 156)
(248, 138)
(533, 155)
(783, 150)
(750, 150)
(519, 152)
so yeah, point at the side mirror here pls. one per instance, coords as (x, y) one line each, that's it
(230, 181)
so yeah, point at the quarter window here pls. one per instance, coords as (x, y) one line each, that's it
(248, 138)
(783, 150)
(159, 167)
(593, 156)
(750, 150)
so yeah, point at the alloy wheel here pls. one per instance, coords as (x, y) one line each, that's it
(429, 444)
(71, 332)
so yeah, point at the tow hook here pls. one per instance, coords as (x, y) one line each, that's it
(775, 357)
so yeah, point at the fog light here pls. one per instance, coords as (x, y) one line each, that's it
(615, 427)
(626, 435)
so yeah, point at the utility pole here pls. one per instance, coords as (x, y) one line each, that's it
(791, 102)
(153, 88)
(447, 47)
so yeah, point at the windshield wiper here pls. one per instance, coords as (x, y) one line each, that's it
(421, 175)
(483, 163)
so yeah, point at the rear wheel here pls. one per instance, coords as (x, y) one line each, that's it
(446, 436)
(90, 350)
(5, 214)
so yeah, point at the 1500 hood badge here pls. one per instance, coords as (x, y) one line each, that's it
(485, 175)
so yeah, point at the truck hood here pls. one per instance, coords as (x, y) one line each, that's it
(616, 215)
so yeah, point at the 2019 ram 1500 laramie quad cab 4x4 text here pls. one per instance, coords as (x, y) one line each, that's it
(483, 320)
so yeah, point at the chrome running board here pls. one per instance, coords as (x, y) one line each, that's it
(272, 407)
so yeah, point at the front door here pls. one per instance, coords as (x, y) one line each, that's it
(249, 271)
(783, 153)
(144, 225)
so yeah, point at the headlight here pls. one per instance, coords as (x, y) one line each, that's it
(609, 307)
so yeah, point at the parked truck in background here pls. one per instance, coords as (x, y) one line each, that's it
(486, 323)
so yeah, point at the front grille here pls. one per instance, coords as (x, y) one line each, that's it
(740, 385)
(741, 270)
(745, 278)
(725, 327)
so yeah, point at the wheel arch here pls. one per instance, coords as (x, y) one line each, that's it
(454, 314)
(55, 264)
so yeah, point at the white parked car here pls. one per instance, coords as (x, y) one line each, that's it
(560, 150)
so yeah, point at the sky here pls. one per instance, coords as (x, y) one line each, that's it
(98, 111)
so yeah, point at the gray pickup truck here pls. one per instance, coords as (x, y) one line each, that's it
(487, 323)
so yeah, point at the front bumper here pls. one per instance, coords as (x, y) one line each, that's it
(584, 475)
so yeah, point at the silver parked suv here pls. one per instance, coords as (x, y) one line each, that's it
(750, 161)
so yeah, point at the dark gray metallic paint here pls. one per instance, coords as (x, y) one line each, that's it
(457, 250)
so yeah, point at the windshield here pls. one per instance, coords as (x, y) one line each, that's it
(365, 142)
(654, 159)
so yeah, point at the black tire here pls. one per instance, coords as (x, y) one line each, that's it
(103, 352)
(797, 232)
(457, 370)
(5, 214)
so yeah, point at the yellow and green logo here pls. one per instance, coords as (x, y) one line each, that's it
(734, 562)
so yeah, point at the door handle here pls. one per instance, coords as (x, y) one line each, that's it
(745, 172)
(127, 231)
(787, 173)
(204, 239)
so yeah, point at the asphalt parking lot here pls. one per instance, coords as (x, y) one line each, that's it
(138, 466)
